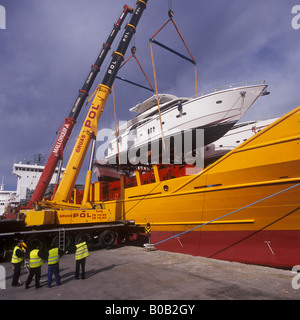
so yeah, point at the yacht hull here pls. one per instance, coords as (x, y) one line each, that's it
(215, 113)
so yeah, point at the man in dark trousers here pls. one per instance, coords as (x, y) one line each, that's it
(80, 256)
(17, 260)
(35, 264)
(53, 264)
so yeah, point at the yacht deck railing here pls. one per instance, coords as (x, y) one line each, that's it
(232, 86)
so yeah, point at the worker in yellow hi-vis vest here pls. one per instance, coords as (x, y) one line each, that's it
(80, 256)
(17, 260)
(53, 264)
(35, 264)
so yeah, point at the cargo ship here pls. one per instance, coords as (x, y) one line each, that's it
(243, 207)
(255, 188)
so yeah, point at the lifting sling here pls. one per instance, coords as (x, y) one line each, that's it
(133, 51)
(191, 59)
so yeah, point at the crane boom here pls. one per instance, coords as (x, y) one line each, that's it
(65, 132)
(89, 128)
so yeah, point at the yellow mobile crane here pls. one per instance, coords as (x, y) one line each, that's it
(59, 210)
(59, 220)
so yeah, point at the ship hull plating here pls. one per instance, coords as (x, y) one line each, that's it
(265, 247)
(245, 206)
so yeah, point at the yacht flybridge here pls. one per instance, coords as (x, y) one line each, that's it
(215, 112)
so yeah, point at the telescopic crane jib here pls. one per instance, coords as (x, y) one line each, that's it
(89, 128)
(59, 210)
(65, 132)
(59, 221)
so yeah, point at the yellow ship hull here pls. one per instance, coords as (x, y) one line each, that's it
(261, 175)
(244, 207)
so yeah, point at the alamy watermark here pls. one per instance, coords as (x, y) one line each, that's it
(295, 283)
(296, 18)
(2, 17)
(2, 278)
(140, 147)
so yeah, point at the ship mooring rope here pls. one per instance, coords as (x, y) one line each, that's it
(228, 214)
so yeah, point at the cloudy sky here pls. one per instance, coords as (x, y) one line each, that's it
(48, 47)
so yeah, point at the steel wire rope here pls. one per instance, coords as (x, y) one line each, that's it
(116, 124)
(143, 197)
(228, 214)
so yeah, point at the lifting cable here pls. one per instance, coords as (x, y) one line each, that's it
(116, 125)
(227, 214)
(157, 98)
(133, 51)
(191, 59)
(133, 55)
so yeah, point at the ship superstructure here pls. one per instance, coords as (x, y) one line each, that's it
(28, 175)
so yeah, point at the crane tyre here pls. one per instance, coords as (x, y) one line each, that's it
(87, 237)
(2, 253)
(107, 238)
(33, 241)
(68, 241)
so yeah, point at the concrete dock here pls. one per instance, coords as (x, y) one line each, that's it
(133, 273)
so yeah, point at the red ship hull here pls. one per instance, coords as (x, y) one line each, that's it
(264, 247)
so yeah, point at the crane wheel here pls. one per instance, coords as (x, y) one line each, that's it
(87, 237)
(68, 241)
(35, 240)
(107, 238)
(2, 252)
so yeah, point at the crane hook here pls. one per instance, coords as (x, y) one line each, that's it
(133, 50)
(171, 13)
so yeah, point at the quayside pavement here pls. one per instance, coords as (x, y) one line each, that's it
(133, 273)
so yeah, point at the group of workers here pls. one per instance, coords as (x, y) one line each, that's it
(36, 260)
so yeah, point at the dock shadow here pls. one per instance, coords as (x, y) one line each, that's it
(67, 277)
(93, 272)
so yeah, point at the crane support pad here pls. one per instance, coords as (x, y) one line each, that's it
(173, 51)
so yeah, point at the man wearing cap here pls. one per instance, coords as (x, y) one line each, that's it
(17, 259)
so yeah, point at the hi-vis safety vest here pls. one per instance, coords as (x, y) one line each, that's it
(53, 256)
(15, 258)
(81, 251)
(35, 261)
